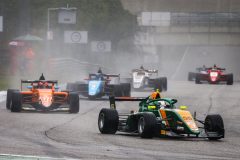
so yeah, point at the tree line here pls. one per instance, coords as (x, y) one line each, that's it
(103, 19)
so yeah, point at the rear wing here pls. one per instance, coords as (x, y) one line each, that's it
(212, 68)
(104, 76)
(113, 99)
(112, 75)
(152, 70)
(37, 81)
(145, 70)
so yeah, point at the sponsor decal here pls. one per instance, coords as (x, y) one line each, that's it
(188, 119)
(45, 98)
(213, 76)
(164, 116)
(94, 87)
(163, 132)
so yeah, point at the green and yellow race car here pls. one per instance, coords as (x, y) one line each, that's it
(159, 117)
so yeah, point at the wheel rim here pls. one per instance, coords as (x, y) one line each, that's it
(141, 125)
(101, 121)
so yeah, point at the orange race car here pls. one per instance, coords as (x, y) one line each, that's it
(42, 96)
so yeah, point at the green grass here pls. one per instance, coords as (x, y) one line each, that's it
(4, 82)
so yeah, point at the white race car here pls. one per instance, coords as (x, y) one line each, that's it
(145, 78)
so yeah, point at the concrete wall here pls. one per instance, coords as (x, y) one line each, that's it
(150, 39)
(137, 6)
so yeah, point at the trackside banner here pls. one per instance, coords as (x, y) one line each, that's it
(1, 23)
(76, 37)
(101, 46)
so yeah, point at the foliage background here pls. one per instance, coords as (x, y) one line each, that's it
(103, 19)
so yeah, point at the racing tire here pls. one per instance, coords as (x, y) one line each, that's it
(126, 89)
(9, 97)
(108, 120)
(230, 79)
(214, 123)
(164, 84)
(158, 84)
(118, 91)
(70, 86)
(146, 82)
(82, 89)
(197, 79)
(146, 125)
(73, 103)
(16, 105)
(191, 76)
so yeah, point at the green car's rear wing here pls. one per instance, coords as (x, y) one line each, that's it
(113, 99)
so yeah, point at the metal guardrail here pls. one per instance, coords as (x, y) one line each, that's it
(206, 18)
(169, 19)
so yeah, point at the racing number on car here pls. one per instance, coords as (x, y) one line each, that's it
(76, 37)
(46, 100)
(187, 118)
(213, 74)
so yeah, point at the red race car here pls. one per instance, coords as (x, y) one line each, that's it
(214, 75)
(42, 95)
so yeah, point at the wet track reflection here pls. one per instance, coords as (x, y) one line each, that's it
(77, 136)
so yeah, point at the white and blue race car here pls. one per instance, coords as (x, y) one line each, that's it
(99, 85)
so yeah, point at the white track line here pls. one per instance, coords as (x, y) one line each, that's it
(13, 156)
(180, 63)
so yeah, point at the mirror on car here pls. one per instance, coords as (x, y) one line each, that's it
(151, 107)
(183, 107)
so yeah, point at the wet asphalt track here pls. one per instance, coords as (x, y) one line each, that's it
(63, 135)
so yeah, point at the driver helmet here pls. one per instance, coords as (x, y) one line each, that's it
(40, 84)
(163, 104)
(46, 84)
(155, 94)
